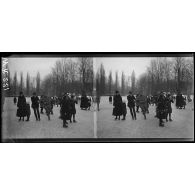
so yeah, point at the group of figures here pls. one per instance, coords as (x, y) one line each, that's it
(162, 101)
(66, 102)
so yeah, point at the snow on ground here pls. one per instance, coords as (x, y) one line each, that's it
(182, 125)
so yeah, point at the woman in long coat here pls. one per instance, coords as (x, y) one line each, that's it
(117, 103)
(21, 111)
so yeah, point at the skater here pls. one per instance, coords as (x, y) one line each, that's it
(73, 101)
(137, 103)
(21, 111)
(35, 106)
(142, 104)
(169, 100)
(47, 106)
(161, 109)
(65, 110)
(52, 103)
(15, 100)
(110, 99)
(42, 103)
(85, 104)
(124, 110)
(28, 112)
(131, 105)
(117, 103)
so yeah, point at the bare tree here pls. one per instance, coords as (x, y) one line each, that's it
(27, 84)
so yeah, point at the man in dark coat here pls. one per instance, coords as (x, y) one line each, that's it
(21, 111)
(117, 103)
(131, 105)
(35, 106)
(161, 109)
(65, 110)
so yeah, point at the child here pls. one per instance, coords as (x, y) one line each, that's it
(124, 110)
(28, 112)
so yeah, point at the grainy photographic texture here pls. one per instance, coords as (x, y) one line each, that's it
(98, 98)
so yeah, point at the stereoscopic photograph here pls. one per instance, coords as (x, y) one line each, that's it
(96, 98)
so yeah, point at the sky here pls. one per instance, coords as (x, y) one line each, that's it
(44, 65)
(31, 65)
(126, 64)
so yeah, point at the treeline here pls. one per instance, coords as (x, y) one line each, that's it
(28, 86)
(76, 75)
(167, 74)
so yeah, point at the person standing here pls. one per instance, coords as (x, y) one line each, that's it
(117, 103)
(161, 109)
(42, 103)
(47, 106)
(137, 103)
(169, 100)
(131, 105)
(65, 110)
(110, 99)
(35, 106)
(143, 104)
(73, 101)
(21, 111)
(15, 100)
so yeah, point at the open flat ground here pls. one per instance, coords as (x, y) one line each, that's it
(182, 125)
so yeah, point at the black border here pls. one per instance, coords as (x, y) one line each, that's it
(97, 54)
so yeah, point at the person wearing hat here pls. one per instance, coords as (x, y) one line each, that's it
(21, 111)
(35, 106)
(131, 105)
(117, 103)
(65, 110)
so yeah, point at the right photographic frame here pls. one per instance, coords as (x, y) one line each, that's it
(145, 97)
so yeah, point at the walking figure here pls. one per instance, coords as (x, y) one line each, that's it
(47, 106)
(142, 104)
(131, 105)
(35, 106)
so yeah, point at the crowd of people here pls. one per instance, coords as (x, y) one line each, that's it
(163, 102)
(45, 103)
